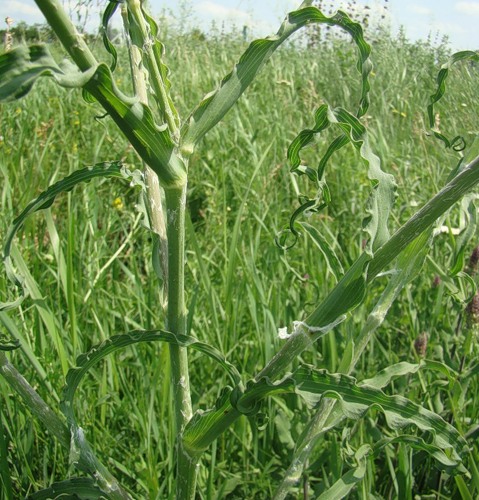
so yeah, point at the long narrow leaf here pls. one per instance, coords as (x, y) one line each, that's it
(82, 488)
(355, 400)
(216, 104)
(97, 353)
(81, 451)
(45, 200)
(457, 142)
(20, 68)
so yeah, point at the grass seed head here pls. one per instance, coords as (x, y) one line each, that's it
(420, 344)
(473, 262)
(436, 281)
(472, 312)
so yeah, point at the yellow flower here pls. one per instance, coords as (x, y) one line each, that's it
(397, 112)
(118, 203)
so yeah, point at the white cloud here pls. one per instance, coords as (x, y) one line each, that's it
(423, 11)
(222, 13)
(448, 28)
(17, 7)
(469, 8)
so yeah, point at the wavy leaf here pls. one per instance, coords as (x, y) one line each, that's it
(355, 400)
(80, 452)
(45, 200)
(110, 48)
(457, 143)
(383, 185)
(216, 104)
(81, 488)
(20, 68)
(384, 377)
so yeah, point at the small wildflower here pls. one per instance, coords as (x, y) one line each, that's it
(420, 344)
(118, 204)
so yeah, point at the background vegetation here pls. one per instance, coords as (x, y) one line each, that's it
(89, 257)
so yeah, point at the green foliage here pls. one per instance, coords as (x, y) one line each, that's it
(90, 274)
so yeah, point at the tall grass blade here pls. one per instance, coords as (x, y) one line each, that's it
(47, 316)
(6, 487)
(348, 481)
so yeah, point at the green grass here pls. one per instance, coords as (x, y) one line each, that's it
(241, 285)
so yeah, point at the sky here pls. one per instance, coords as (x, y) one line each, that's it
(458, 20)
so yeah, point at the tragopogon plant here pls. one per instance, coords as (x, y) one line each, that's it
(165, 142)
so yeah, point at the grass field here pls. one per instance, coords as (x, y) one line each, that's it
(87, 263)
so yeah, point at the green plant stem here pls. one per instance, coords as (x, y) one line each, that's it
(67, 33)
(53, 423)
(154, 202)
(464, 182)
(385, 255)
(176, 323)
(34, 402)
(152, 58)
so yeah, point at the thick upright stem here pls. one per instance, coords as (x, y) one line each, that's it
(176, 323)
(176, 317)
